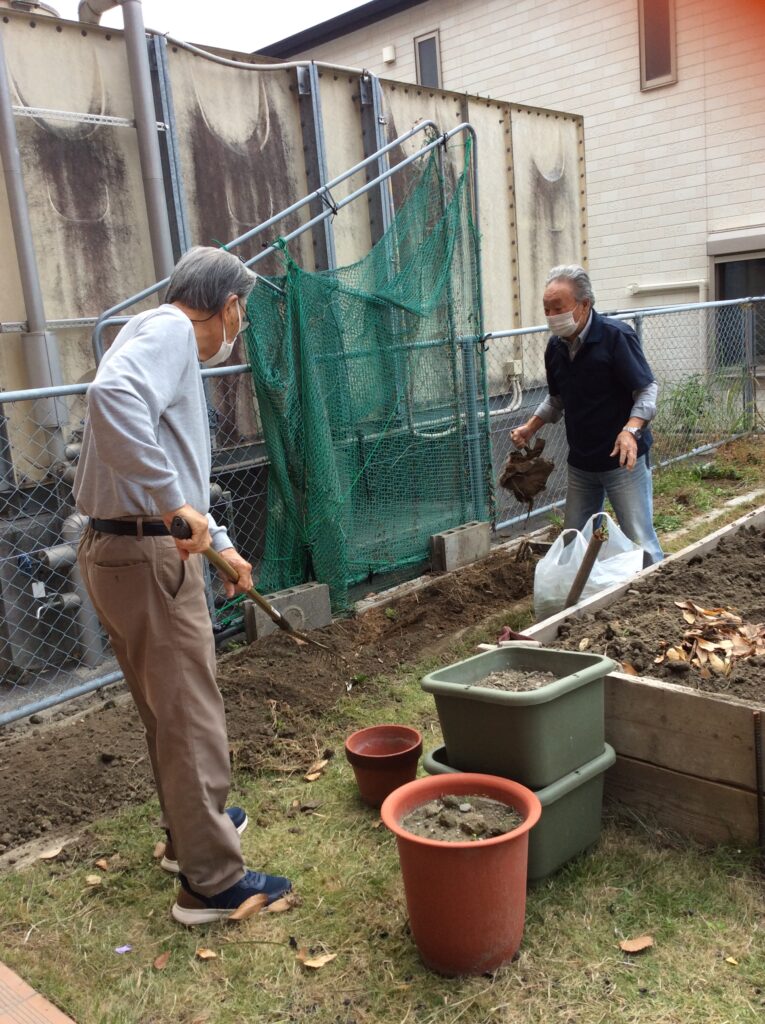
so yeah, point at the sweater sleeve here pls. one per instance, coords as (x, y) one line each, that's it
(125, 402)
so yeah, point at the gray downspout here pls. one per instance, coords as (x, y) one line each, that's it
(90, 12)
(40, 347)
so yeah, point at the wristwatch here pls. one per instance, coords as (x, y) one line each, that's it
(637, 432)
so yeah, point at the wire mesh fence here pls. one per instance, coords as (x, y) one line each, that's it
(704, 357)
(51, 645)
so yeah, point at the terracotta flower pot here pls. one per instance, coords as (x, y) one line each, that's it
(383, 757)
(466, 900)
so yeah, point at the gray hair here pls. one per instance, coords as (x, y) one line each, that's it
(579, 278)
(204, 277)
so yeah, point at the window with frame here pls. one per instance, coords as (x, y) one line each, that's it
(427, 52)
(658, 60)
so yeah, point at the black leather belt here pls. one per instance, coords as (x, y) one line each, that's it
(129, 527)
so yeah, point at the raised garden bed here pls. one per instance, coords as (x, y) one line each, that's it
(686, 751)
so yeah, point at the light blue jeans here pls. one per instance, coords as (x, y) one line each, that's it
(631, 495)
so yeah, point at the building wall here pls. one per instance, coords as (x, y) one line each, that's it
(666, 167)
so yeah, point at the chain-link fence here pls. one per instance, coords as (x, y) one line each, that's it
(51, 645)
(704, 357)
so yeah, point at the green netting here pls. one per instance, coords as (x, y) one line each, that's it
(371, 388)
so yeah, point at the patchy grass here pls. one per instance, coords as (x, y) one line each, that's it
(703, 908)
(684, 491)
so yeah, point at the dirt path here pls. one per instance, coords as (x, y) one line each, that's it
(56, 777)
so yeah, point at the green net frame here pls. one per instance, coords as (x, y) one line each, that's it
(370, 388)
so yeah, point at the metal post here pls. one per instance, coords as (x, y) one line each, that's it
(749, 390)
(148, 144)
(314, 146)
(40, 346)
(169, 144)
(373, 128)
(468, 356)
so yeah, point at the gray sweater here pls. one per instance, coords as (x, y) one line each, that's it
(146, 445)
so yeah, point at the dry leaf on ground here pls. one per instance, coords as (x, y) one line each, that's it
(249, 908)
(161, 962)
(314, 962)
(584, 643)
(638, 945)
(102, 864)
(51, 854)
(731, 960)
(93, 879)
(159, 850)
(285, 903)
(206, 954)
(628, 669)
(316, 769)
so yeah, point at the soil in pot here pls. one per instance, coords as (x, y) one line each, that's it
(518, 680)
(468, 817)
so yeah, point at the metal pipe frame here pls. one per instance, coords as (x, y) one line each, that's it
(148, 143)
(108, 318)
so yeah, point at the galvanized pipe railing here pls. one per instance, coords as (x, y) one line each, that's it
(109, 318)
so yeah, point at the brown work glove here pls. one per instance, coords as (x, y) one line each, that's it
(525, 473)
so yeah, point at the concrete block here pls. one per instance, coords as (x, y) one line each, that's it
(305, 607)
(459, 546)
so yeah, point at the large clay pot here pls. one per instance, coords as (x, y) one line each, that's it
(466, 900)
(383, 757)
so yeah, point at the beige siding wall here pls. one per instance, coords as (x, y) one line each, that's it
(664, 167)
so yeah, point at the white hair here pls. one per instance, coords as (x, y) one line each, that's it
(204, 277)
(579, 278)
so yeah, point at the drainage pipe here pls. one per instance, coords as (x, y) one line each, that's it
(40, 347)
(90, 12)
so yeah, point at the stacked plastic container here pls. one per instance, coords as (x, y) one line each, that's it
(550, 739)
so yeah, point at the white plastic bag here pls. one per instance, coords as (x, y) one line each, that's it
(618, 559)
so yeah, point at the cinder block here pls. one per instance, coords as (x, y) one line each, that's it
(459, 546)
(305, 607)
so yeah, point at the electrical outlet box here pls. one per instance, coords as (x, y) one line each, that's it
(513, 368)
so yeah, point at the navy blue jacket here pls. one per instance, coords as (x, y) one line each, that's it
(596, 389)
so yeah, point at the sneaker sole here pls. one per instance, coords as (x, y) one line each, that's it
(172, 867)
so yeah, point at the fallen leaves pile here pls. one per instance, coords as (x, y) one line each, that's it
(716, 640)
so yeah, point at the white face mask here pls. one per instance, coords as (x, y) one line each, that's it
(226, 348)
(563, 325)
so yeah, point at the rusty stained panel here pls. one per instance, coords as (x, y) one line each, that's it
(546, 160)
(241, 154)
(83, 181)
(404, 106)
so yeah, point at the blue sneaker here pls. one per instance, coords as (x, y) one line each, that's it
(192, 908)
(169, 861)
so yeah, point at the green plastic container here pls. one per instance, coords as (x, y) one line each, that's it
(533, 737)
(571, 812)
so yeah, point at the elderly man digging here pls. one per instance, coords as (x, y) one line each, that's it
(145, 459)
(599, 379)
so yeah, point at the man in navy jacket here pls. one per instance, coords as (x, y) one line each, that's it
(599, 378)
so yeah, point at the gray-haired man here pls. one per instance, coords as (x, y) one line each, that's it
(145, 459)
(598, 377)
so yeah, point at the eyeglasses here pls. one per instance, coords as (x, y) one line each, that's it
(245, 322)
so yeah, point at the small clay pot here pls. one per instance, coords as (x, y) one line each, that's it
(466, 900)
(383, 757)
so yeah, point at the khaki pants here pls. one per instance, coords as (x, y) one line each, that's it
(153, 607)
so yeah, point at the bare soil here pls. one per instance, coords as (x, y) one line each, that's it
(462, 819)
(646, 621)
(57, 777)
